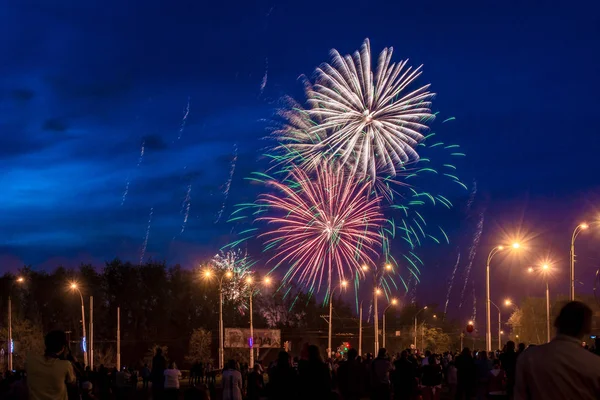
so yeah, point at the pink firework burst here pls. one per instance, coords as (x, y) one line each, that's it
(325, 225)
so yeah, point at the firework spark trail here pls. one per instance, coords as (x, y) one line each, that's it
(451, 282)
(128, 183)
(263, 83)
(184, 120)
(145, 244)
(472, 252)
(472, 195)
(228, 183)
(187, 203)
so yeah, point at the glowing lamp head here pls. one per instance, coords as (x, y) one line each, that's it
(470, 323)
(73, 285)
(502, 332)
(267, 281)
(434, 316)
(249, 280)
(20, 279)
(344, 284)
(584, 225)
(388, 267)
(425, 308)
(378, 291)
(545, 267)
(394, 301)
(500, 247)
(530, 270)
(507, 302)
(516, 245)
(365, 268)
(229, 274)
(207, 273)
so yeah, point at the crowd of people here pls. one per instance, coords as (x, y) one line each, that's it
(561, 369)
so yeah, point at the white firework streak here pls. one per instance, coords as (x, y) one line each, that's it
(472, 195)
(128, 183)
(184, 120)
(472, 252)
(187, 203)
(228, 183)
(145, 244)
(263, 84)
(451, 282)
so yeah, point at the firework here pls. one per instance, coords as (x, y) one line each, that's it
(238, 263)
(146, 237)
(325, 226)
(368, 121)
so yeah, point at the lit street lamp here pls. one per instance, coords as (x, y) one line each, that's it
(227, 274)
(250, 282)
(578, 229)
(418, 312)
(377, 274)
(341, 286)
(488, 331)
(392, 303)
(75, 287)
(545, 270)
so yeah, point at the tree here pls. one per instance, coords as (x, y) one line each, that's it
(436, 340)
(200, 346)
(27, 339)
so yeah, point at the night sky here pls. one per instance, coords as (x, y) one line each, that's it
(84, 84)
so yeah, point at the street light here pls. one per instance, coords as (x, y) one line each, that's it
(545, 270)
(499, 326)
(581, 227)
(392, 303)
(75, 287)
(250, 282)
(488, 331)
(418, 312)
(377, 276)
(341, 286)
(227, 274)
(10, 346)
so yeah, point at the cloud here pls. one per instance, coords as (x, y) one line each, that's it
(55, 125)
(22, 94)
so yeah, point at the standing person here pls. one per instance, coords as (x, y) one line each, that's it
(404, 377)
(380, 376)
(496, 381)
(315, 377)
(561, 369)
(282, 378)
(172, 377)
(508, 360)
(256, 383)
(145, 376)
(349, 376)
(483, 370)
(48, 375)
(466, 374)
(232, 382)
(432, 379)
(159, 364)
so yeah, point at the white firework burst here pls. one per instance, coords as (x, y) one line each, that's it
(237, 262)
(368, 121)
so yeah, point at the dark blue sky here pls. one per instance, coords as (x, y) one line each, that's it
(83, 84)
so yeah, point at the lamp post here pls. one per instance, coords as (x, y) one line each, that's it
(360, 329)
(75, 287)
(377, 274)
(488, 331)
(250, 283)
(392, 303)
(545, 271)
(10, 346)
(226, 274)
(578, 229)
(340, 286)
(499, 325)
(416, 315)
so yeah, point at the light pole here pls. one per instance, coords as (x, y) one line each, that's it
(392, 303)
(377, 275)
(10, 346)
(488, 331)
(416, 315)
(499, 325)
(340, 287)
(578, 229)
(545, 271)
(74, 287)
(360, 329)
(250, 283)
(208, 274)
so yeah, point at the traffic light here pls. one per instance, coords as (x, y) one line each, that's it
(470, 327)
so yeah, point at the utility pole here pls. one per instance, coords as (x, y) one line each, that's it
(118, 338)
(91, 333)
